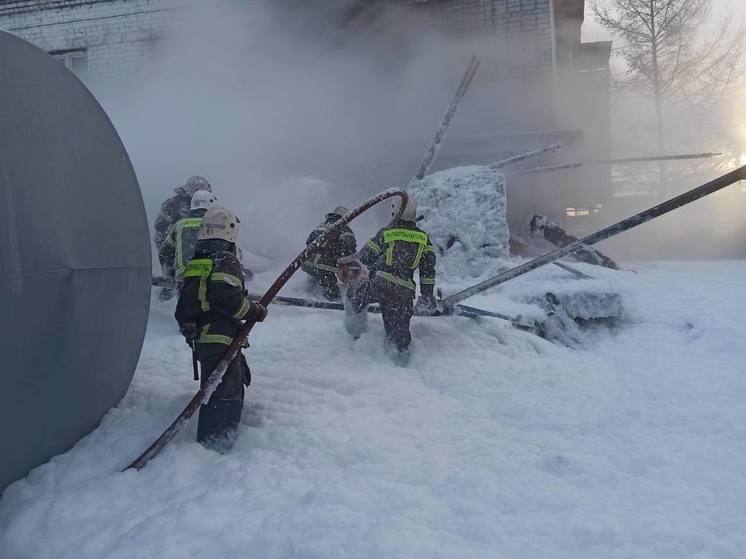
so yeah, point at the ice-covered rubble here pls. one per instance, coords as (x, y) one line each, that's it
(464, 212)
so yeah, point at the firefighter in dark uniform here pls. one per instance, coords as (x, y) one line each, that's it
(178, 248)
(392, 257)
(212, 305)
(172, 210)
(322, 267)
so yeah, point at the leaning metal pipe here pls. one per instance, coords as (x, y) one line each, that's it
(625, 225)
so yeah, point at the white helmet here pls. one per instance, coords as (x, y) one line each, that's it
(195, 183)
(410, 211)
(219, 223)
(339, 210)
(202, 199)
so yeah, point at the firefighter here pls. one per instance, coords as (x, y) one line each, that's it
(178, 247)
(172, 210)
(176, 207)
(322, 267)
(212, 304)
(392, 256)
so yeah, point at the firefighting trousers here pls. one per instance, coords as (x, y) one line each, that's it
(396, 307)
(220, 416)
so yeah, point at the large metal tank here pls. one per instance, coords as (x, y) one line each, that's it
(75, 265)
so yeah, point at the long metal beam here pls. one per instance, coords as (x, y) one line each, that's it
(619, 161)
(625, 225)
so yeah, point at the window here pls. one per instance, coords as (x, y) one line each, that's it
(582, 212)
(75, 60)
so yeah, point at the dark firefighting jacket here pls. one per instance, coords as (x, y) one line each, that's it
(172, 210)
(180, 243)
(397, 251)
(213, 295)
(342, 244)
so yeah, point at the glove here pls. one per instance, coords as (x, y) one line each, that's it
(426, 305)
(257, 313)
(190, 331)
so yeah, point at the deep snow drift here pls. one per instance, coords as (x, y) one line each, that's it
(492, 443)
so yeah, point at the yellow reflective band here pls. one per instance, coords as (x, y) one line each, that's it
(189, 223)
(396, 280)
(406, 235)
(226, 278)
(243, 309)
(427, 281)
(429, 248)
(198, 267)
(215, 339)
(418, 256)
(202, 294)
(186, 223)
(390, 253)
(206, 338)
(374, 246)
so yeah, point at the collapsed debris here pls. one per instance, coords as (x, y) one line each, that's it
(543, 227)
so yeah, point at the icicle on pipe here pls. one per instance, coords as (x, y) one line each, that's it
(216, 375)
(629, 223)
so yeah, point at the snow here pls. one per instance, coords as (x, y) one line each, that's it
(491, 443)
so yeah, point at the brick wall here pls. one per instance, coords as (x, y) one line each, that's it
(103, 40)
(520, 27)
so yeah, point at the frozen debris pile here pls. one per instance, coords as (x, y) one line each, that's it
(464, 212)
(544, 228)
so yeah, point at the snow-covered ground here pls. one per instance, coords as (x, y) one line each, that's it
(492, 443)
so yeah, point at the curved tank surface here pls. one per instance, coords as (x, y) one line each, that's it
(75, 266)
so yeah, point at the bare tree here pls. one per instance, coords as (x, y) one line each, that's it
(672, 56)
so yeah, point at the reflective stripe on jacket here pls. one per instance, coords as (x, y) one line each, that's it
(399, 249)
(325, 259)
(213, 296)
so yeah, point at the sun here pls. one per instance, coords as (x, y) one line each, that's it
(743, 159)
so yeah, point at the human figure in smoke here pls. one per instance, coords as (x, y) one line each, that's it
(322, 267)
(172, 210)
(211, 307)
(392, 256)
(180, 243)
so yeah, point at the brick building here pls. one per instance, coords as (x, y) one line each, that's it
(538, 82)
(97, 39)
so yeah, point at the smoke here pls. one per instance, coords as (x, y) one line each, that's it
(289, 113)
(712, 227)
(285, 114)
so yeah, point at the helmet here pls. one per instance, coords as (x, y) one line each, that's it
(195, 183)
(219, 223)
(410, 211)
(339, 210)
(202, 199)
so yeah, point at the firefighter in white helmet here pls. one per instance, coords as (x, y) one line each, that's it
(176, 207)
(172, 210)
(181, 241)
(323, 266)
(211, 309)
